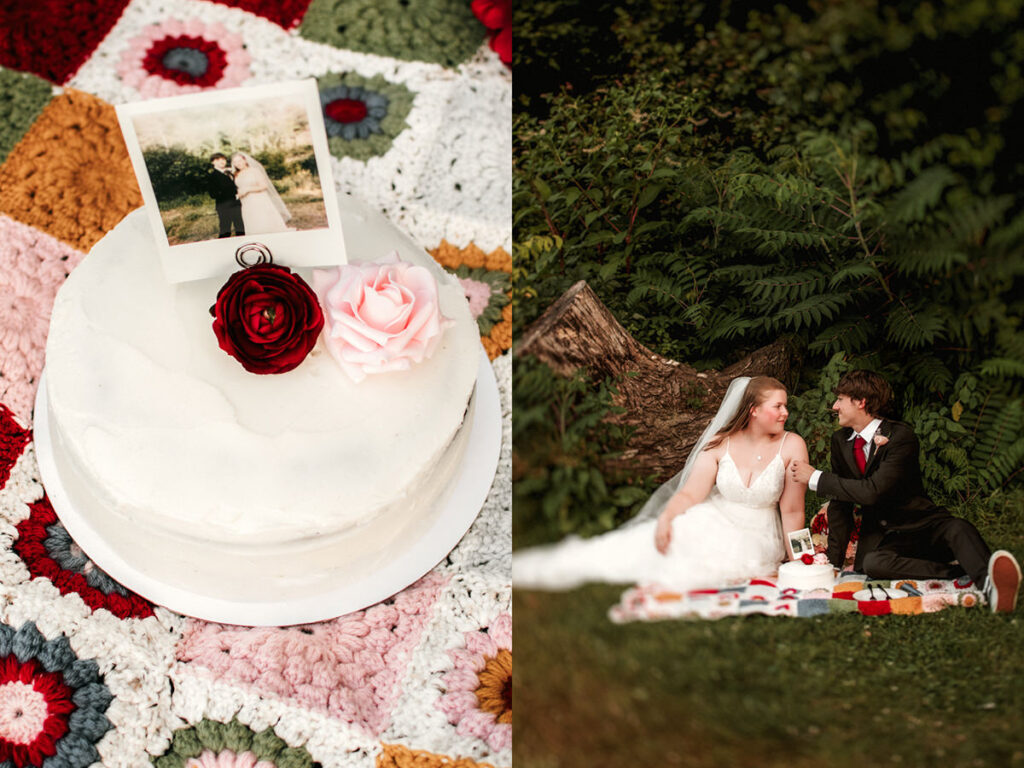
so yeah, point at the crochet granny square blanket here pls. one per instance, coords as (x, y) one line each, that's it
(416, 97)
(852, 593)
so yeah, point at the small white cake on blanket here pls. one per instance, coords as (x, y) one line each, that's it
(187, 463)
(803, 576)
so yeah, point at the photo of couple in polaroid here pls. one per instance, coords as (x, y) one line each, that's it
(246, 199)
(239, 163)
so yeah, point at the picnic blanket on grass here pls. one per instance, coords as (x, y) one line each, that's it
(852, 593)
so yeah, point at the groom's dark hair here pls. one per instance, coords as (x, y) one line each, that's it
(870, 387)
(215, 155)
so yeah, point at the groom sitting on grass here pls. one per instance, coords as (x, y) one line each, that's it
(875, 467)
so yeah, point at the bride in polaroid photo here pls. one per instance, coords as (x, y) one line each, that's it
(263, 210)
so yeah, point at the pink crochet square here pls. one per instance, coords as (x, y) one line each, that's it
(351, 667)
(33, 265)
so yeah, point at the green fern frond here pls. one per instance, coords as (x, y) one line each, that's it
(918, 158)
(970, 223)
(921, 195)
(932, 258)
(912, 328)
(998, 435)
(930, 373)
(741, 273)
(844, 336)
(793, 287)
(1009, 236)
(812, 311)
(1002, 466)
(730, 326)
(855, 273)
(1010, 342)
(1003, 367)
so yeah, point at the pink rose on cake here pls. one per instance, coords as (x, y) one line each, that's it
(381, 316)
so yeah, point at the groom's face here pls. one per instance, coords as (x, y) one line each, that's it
(220, 163)
(849, 411)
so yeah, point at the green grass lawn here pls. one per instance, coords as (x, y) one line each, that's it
(944, 688)
(838, 690)
(194, 223)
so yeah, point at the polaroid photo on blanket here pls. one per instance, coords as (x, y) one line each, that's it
(220, 169)
(801, 543)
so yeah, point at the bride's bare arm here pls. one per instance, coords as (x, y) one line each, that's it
(791, 503)
(696, 489)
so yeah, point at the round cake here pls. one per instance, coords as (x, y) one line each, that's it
(797, 575)
(207, 476)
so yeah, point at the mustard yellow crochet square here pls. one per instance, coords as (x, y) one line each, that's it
(70, 175)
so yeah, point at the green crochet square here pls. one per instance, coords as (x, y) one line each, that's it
(440, 31)
(389, 104)
(22, 98)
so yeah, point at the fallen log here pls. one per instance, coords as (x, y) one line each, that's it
(667, 402)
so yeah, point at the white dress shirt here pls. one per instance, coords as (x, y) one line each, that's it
(867, 433)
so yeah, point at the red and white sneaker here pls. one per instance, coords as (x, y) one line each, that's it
(1003, 581)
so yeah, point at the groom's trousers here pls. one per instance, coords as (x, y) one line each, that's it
(927, 551)
(229, 213)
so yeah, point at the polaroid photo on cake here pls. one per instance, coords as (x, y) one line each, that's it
(220, 169)
(801, 543)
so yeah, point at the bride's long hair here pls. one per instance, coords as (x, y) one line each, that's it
(756, 393)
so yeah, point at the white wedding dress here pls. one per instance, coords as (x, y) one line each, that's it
(733, 535)
(262, 208)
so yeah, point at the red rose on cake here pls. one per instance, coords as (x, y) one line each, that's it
(267, 318)
(381, 316)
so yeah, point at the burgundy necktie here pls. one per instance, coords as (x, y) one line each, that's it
(858, 452)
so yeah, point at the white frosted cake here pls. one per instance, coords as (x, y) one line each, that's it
(203, 472)
(797, 575)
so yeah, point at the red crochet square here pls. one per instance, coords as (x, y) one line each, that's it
(13, 439)
(53, 38)
(284, 13)
(875, 607)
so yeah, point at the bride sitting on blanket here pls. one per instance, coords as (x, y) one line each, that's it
(720, 520)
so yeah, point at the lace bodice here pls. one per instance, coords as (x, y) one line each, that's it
(764, 489)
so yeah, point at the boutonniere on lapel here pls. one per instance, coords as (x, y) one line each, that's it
(880, 440)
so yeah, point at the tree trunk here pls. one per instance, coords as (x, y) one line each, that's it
(669, 403)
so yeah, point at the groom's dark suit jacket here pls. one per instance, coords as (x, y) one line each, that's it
(222, 188)
(890, 493)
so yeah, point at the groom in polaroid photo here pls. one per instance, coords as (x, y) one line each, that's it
(875, 466)
(225, 196)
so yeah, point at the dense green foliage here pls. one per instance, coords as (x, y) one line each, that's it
(565, 422)
(840, 172)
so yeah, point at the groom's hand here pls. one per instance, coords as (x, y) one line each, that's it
(800, 471)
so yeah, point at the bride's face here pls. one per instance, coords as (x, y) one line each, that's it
(238, 163)
(772, 413)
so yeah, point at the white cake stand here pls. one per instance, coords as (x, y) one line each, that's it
(407, 559)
